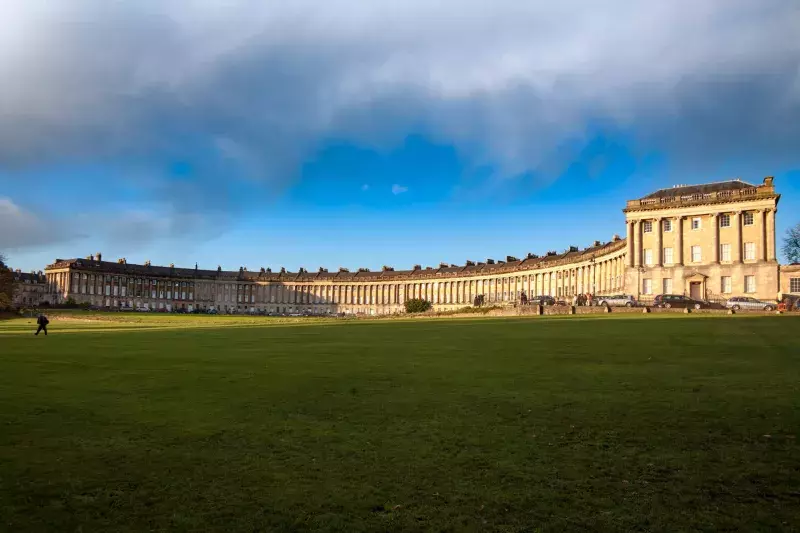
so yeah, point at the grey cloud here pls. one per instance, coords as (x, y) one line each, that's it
(23, 228)
(259, 85)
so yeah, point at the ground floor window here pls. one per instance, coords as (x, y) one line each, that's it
(647, 286)
(794, 284)
(666, 285)
(749, 284)
(725, 285)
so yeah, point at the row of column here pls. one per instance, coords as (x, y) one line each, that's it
(766, 234)
(595, 277)
(65, 284)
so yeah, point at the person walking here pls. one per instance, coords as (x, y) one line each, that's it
(42, 322)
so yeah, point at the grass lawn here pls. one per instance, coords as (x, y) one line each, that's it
(659, 423)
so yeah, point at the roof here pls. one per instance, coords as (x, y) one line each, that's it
(450, 271)
(706, 188)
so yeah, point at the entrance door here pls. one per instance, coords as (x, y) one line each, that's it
(696, 290)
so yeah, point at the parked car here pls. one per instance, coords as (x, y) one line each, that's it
(619, 300)
(746, 302)
(679, 301)
(542, 300)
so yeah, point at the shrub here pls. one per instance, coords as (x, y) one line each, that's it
(417, 305)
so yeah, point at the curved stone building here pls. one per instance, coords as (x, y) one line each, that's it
(712, 240)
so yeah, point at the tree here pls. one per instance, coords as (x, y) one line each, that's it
(6, 284)
(417, 305)
(791, 244)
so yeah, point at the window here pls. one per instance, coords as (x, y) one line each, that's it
(749, 284)
(749, 250)
(749, 219)
(697, 223)
(725, 252)
(667, 256)
(696, 257)
(667, 225)
(794, 284)
(724, 221)
(666, 285)
(648, 257)
(647, 226)
(725, 285)
(647, 286)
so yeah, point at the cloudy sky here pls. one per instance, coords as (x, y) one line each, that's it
(351, 133)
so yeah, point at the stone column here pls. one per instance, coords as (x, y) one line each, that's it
(659, 242)
(715, 237)
(738, 253)
(762, 252)
(678, 256)
(630, 243)
(637, 243)
(771, 234)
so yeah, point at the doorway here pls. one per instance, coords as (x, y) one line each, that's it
(696, 290)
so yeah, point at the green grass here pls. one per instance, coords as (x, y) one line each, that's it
(611, 423)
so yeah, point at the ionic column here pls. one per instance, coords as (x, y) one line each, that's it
(679, 240)
(629, 245)
(771, 234)
(715, 237)
(762, 253)
(659, 245)
(737, 238)
(637, 243)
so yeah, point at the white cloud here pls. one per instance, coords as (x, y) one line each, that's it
(398, 189)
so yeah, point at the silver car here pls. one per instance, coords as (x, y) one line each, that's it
(745, 302)
(619, 300)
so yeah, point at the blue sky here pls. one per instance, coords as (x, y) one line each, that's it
(342, 134)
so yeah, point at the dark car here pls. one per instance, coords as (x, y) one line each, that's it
(542, 300)
(679, 301)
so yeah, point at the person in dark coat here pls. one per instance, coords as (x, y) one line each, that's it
(42, 321)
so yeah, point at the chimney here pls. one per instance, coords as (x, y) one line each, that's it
(387, 268)
(99, 256)
(617, 237)
(596, 243)
(343, 269)
(511, 258)
(490, 261)
(417, 267)
(442, 265)
(768, 181)
(470, 263)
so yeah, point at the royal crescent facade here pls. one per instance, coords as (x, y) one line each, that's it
(709, 241)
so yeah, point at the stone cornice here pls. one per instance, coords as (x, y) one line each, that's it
(713, 198)
(86, 266)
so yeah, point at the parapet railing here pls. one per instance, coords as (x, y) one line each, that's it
(749, 193)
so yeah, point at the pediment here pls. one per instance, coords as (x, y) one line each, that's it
(695, 276)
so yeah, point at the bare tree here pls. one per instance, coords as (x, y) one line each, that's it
(791, 244)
